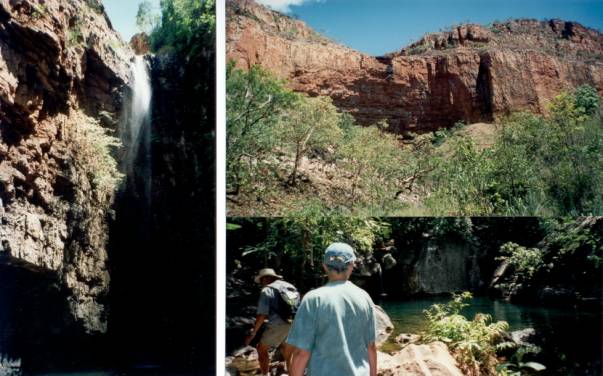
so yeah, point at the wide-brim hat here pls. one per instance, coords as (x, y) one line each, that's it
(266, 272)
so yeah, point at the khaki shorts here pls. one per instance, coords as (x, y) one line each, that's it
(274, 335)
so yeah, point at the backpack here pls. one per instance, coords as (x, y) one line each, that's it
(288, 300)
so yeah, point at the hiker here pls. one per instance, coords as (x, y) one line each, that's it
(276, 307)
(334, 328)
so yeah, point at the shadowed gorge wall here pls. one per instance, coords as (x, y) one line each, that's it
(61, 66)
(91, 265)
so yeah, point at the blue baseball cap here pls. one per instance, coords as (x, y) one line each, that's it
(339, 256)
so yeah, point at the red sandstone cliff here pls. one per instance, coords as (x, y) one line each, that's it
(62, 66)
(471, 73)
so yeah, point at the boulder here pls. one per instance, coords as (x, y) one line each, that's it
(405, 339)
(554, 295)
(524, 336)
(243, 362)
(432, 359)
(384, 325)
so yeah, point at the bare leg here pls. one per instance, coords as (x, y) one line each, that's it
(287, 350)
(263, 358)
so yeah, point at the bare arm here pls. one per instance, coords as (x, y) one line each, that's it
(372, 353)
(259, 320)
(299, 361)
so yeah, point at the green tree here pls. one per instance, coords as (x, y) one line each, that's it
(311, 125)
(187, 27)
(538, 165)
(587, 99)
(461, 180)
(256, 103)
(376, 163)
(146, 18)
(303, 236)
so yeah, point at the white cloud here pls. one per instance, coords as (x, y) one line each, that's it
(284, 5)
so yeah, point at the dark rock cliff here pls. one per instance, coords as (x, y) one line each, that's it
(162, 250)
(63, 74)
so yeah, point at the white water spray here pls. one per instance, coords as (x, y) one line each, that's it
(141, 104)
(136, 133)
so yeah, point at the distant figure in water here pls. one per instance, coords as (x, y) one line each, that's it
(276, 307)
(334, 328)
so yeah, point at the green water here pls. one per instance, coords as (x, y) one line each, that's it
(570, 338)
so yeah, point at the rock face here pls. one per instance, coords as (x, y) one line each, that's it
(62, 69)
(472, 73)
(384, 325)
(419, 360)
(439, 266)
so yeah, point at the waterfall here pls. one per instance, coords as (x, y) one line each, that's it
(141, 102)
(136, 134)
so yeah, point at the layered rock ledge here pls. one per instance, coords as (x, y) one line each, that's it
(471, 73)
(62, 68)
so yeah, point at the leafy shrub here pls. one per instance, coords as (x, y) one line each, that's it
(268, 125)
(527, 261)
(75, 36)
(93, 147)
(187, 27)
(301, 238)
(255, 104)
(474, 343)
(96, 6)
(538, 165)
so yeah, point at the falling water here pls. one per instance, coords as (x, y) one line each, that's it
(137, 132)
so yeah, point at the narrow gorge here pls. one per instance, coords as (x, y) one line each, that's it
(103, 248)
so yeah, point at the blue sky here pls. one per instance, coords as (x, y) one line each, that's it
(380, 26)
(122, 14)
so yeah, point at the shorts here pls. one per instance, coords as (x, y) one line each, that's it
(276, 334)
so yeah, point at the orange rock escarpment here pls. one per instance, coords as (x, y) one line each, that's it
(470, 73)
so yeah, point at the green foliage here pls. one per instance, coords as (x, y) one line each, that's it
(311, 125)
(39, 10)
(539, 165)
(93, 147)
(75, 36)
(303, 237)
(187, 27)
(96, 6)
(570, 254)
(375, 161)
(268, 125)
(461, 181)
(474, 343)
(516, 365)
(587, 99)
(146, 18)
(255, 103)
(527, 261)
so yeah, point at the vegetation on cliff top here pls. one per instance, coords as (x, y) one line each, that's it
(284, 149)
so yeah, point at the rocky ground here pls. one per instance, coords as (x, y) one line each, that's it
(330, 184)
(412, 360)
